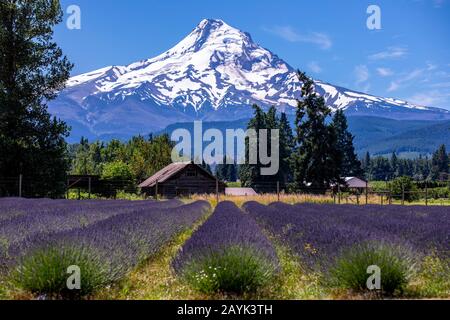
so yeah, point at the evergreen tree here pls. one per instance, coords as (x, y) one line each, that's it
(32, 70)
(232, 172)
(366, 165)
(380, 169)
(250, 173)
(440, 163)
(207, 167)
(221, 170)
(396, 171)
(351, 166)
(287, 145)
(317, 160)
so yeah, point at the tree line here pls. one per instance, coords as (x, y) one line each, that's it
(134, 161)
(313, 156)
(381, 168)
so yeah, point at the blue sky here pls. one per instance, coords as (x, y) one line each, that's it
(409, 58)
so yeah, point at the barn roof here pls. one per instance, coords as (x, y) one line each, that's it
(354, 182)
(168, 172)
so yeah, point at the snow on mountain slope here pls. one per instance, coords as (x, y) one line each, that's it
(216, 73)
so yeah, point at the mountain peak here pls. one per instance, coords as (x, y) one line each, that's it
(211, 33)
(216, 67)
(205, 23)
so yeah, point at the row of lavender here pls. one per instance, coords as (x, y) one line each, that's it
(22, 218)
(320, 233)
(117, 234)
(228, 253)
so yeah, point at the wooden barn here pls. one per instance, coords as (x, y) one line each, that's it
(181, 179)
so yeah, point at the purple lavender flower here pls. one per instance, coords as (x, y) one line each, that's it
(228, 227)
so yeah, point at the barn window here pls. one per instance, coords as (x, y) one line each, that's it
(191, 173)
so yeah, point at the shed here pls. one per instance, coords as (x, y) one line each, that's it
(181, 179)
(355, 183)
(240, 192)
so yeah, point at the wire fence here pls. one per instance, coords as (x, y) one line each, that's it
(90, 187)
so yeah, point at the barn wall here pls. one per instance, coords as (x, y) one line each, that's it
(184, 184)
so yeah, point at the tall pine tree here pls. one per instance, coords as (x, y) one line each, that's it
(440, 163)
(287, 146)
(395, 166)
(32, 70)
(351, 166)
(317, 160)
(250, 173)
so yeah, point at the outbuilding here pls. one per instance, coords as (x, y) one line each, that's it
(355, 183)
(182, 179)
(239, 192)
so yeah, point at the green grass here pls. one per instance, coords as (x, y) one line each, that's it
(3, 292)
(234, 185)
(45, 271)
(235, 270)
(432, 280)
(397, 266)
(120, 195)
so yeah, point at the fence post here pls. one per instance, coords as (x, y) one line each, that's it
(339, 193)
(426, 193)
(20, 185)
(156, 191)
(403, 194)
(367, 192)
(278, 190)
(217, 190)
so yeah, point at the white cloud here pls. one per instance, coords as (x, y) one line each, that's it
(361, 73)
(393, 86)
(431, 67)
(434, 98)
(385, 72)
(406, 79)
(440, 85)
(290, 34)
(362, 76)
(390, 53)
(314, 67)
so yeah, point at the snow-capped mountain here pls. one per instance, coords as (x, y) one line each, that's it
(216, 73)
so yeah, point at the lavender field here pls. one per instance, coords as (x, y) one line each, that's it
(318, 233)
(115, 236)
(236, 251)
(321, 236)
